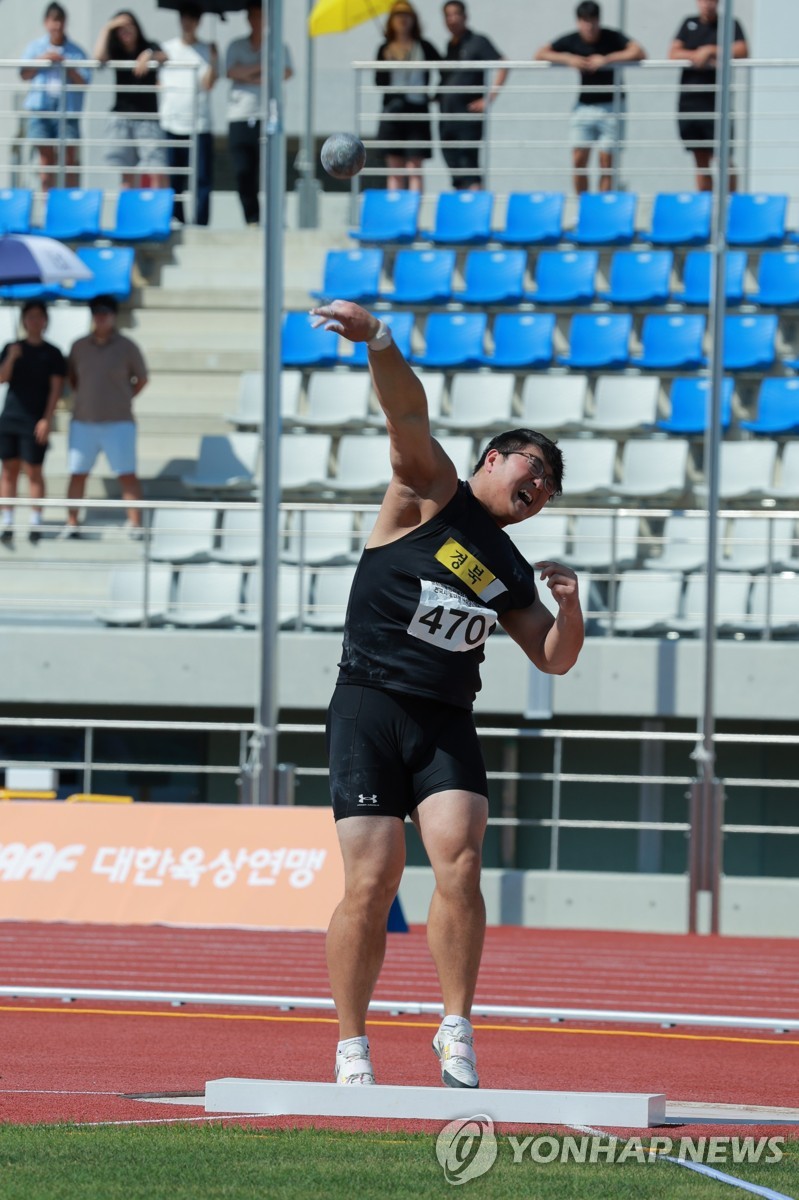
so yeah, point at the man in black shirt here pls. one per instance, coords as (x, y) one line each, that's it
(436, 576)
(454, 125)
(34, 371)
(696, 43)
(597, 118)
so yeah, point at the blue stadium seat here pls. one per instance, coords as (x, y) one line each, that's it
(565, 277)
(463, 218)
(112, 274)
(351, 275)
(453, 340)
(777, 279)
(672, 342)
(532, 219)
(20, 292)
(522, 341)
(422, 277)
(750, 342)
(73, 213)
(689, 401)
(304, 346)
(697, 273)
(388, 216)
(777, 407)
(15, 210)
(143, 215)
(606, 219)
(681, 219)
(599, 341)
(639, 277)
(756, 220)
(493, 277)
(401, 326)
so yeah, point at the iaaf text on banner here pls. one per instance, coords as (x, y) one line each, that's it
(175, 864)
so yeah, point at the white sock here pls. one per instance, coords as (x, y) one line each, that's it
(36, 517)
(8, 516)
(361, 1042)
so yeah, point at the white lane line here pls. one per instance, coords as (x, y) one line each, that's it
(166, 1120)
(733, 1180)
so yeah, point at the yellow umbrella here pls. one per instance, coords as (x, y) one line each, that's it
(336, 16)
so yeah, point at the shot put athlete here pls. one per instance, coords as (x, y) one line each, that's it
(437, 574)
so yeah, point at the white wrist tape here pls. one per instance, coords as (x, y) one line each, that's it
(381, 339)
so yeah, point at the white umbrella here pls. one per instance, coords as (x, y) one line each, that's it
(26, 258)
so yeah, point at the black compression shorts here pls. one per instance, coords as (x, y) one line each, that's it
(388, 751)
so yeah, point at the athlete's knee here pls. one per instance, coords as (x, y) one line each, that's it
(460, 875)
(372, 891)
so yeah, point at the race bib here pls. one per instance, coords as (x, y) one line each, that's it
(447, 619)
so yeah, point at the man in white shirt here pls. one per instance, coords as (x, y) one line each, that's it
(244, 110)
(191, 70)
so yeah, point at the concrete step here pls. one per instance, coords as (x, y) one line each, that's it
(177, 360)
(200, 330)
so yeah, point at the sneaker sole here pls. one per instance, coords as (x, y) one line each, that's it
(450, 1080)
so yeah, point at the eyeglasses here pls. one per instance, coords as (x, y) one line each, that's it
(538, 471)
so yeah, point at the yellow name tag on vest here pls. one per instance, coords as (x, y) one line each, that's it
(469, 569)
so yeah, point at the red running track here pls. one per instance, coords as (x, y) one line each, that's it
(79, 1062)
(558, 968)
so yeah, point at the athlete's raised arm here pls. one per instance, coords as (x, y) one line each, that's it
(417, 461)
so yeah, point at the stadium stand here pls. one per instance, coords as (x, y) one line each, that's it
(480, 402)
(652, 469)
(453, 340)
(689, 399)
(758, 544)
(624, 404)
(683, 545)
(143, 215)
(605, 219)
(603, 541)
(318, 538)
(401, 326)
(226, 462)
(777, 280)
(16, 205)
(774, 603)
(732, 604)
(646, 602)
(750, 342)
(304, 462)
(304, 346)
(337, 401)
(330, 590)
(697, 272)
(522, 341)
(598, 341)
(565, 277)
(73, 214)
(553, 403)
(388, 217)
(639, 277)
(351, 275)
(493, 277)
(746, 470)
(182, 535)
(672, 342)
(549, 540)
(777, 407)
(422, 277)
(462, 218)
(681, 219)
(532, 219)
(756, 219)
(206, 597)
(112, 274)
(592, 463)
(135, 598)
(788, 486)
(240, 537)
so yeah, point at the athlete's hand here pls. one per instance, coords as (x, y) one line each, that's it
(41, 431)
(562, 583)
(350, 320)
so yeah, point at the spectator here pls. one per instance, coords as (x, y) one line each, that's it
(594, 51)
(404, 43)
(134, 135)
(106, 371)
(243, 66)
(34, 371)
(191, 71)
(47, 97)
(696, 43)
(465, 46)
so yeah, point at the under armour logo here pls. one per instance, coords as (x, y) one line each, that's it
(367, 799)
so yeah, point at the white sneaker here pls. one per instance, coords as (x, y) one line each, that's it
(454, 1048)
(353, 1064)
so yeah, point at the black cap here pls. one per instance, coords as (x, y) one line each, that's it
(103, 304)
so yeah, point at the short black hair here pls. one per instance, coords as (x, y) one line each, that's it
(520, 439)
(109, 303)
(188, 9)
(588, 10)
(458, 4)
(55, 10)
(31, 304)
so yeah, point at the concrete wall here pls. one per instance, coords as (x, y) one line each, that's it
(624, 678)
(634, 903)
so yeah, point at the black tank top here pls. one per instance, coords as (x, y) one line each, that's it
(421, 608)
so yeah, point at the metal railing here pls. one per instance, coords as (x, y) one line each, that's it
(526, 130)
(95, 140)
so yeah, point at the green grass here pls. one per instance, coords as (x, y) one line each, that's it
(173, 1162)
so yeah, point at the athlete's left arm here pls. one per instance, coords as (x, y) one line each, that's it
(551, 643)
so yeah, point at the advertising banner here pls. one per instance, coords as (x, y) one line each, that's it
(169, 864)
